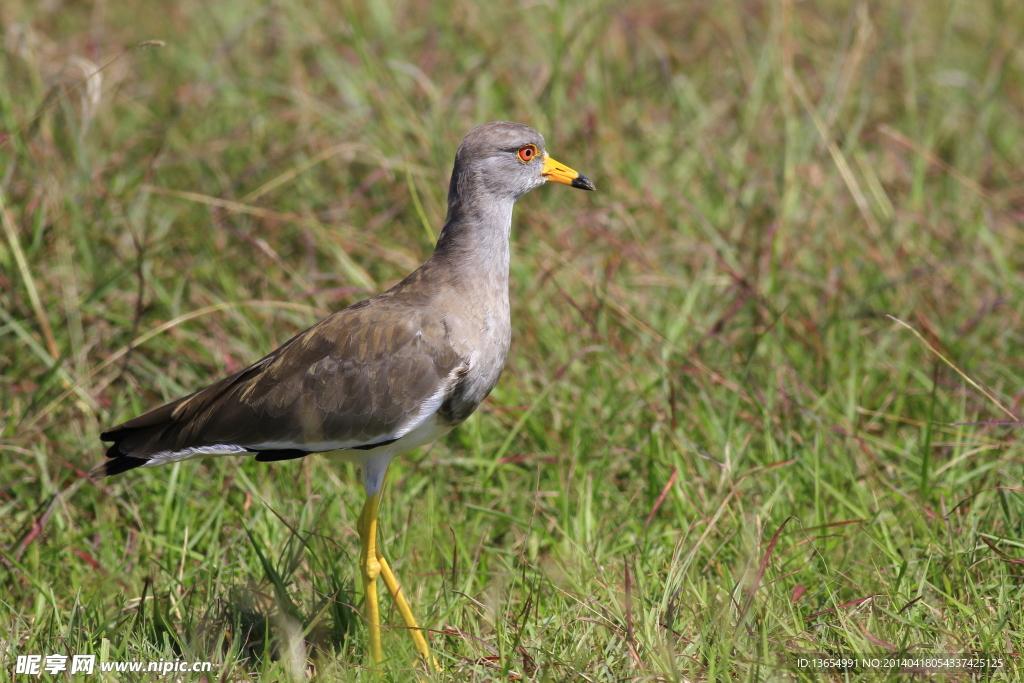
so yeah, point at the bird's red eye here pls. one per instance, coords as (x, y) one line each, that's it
(527, 153)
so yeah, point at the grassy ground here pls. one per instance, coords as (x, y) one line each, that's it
(711, 450)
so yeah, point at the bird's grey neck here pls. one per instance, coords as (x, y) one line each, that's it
(476, 236)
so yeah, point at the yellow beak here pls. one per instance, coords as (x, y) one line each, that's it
(560, 173)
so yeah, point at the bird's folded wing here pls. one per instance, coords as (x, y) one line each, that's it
(363, 376)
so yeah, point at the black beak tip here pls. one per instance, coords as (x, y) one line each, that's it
(583, 183)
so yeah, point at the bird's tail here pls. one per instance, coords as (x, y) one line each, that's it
(136, 441)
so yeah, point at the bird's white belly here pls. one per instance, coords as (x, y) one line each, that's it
(375, 461)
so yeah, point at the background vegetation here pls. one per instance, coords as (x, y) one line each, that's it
(711, 451)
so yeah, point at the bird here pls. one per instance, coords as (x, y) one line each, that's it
(383, 376)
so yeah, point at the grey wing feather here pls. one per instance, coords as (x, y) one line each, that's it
(351, 380)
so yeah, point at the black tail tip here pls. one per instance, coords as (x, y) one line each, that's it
(116, 465)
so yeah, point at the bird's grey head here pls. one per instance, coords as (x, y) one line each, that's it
(505, 160)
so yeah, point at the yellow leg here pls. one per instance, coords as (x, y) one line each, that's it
(369, 567)
(403, 607)
(372, 564)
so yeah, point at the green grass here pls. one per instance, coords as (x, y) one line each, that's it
(711, 449)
